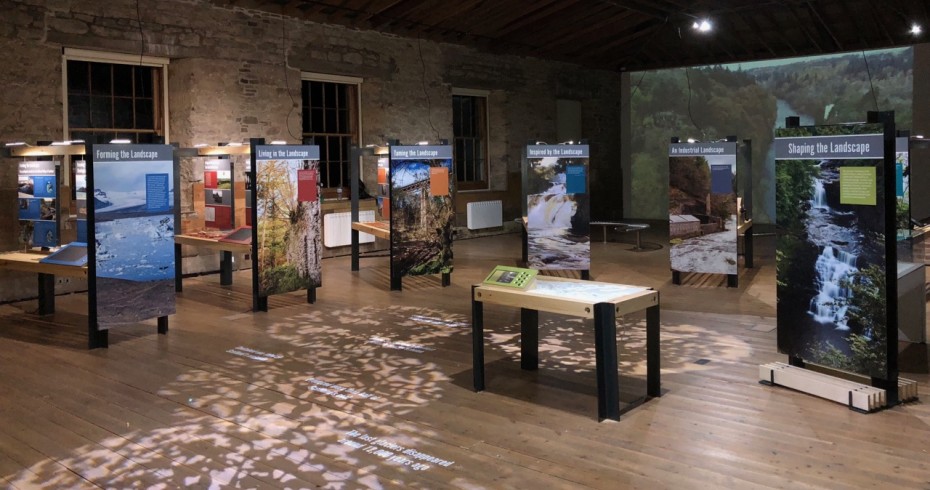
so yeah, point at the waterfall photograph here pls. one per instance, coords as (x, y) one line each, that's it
(830, 263)
(558, 230)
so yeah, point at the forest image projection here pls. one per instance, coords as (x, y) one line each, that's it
(752, 100)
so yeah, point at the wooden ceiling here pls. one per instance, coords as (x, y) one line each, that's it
(629, 35)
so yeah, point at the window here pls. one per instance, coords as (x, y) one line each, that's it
(114, 97)
(330, 120)
(470, 141)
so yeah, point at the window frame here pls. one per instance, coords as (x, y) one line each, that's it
(344, 80)
(476, 186)
(74, 54)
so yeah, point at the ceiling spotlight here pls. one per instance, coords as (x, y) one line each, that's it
(702, 25)
(16, 143)
(692, 140)
(61, 143)
(916, 30)
(422, 143)
(120, 141)
(279, 142)
(200, 145)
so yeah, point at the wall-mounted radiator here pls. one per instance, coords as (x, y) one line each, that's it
(337, 229)
(484, 214)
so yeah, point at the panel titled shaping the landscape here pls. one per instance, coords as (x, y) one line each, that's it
(422, 212)
(134, 222)
(558, 207)
(702, 207)
(830, 253)
(289, 243)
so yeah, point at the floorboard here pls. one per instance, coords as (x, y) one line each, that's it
(371, 388)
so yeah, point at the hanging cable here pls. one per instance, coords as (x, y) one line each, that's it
(871, 87)
(690, 116)
(429, 106)
(287, 81)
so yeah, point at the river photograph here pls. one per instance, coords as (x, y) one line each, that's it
(830, 262)
(558, 229)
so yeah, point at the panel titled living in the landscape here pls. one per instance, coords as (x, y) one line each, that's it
(702, 207)
(37, 190)
(287, 235)
(830, 253)
(132, 216)
(558, 207)
(422, 212)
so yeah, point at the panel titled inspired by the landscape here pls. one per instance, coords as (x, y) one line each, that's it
(558, 207)
(422, 212)
(830, 255)
(702, 207)
(133, 232)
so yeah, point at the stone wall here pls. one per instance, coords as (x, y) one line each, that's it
(235, 73)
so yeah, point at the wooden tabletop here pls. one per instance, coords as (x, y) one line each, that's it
(212, 243)
(29, 262)
(570, 296)
(380, 229)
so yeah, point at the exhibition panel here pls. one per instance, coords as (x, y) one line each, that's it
(836, 253)
(39, 212)
(422, 212)
(557, 207)
(286, 238)
(703, 214)
(131, 220)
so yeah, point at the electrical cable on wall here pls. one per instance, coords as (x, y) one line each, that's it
(287, 82)
(429, 105)
(869, 72)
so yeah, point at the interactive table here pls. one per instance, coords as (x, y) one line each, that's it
(210, 241)
(30, 262)
(599, 301)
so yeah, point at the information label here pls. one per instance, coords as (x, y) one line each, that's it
(858, 186)
(575, 179)
(156, 192)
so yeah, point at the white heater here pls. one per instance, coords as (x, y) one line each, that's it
(337, 229)
(484, 214)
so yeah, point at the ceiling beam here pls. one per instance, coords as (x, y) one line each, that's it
(824, 26)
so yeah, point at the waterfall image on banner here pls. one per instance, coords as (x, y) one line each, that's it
(830, 263)
(134, 239)
(558, 234)
(702, 223)
(289, 245)
(421, 223)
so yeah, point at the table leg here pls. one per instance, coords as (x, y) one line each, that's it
(529, 339)
(653, 353)
(46, 294)
(525, 238)
(605, 348)
(639, 240)
(605, 233)
(747, 248)
(226, 268)
(477, 341)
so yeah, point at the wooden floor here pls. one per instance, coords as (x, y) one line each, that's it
(372, 388)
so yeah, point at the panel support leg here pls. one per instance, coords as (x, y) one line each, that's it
(355, 250)
(732, 280)
(311, 295)
(178, 268)
(163, 325)
(676, 277)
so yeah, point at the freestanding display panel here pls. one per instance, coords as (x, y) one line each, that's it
(38, 203)
(557, 206)
(703, 216)
(421, 211)
(286, 239)
(836, 253)
(131, 220)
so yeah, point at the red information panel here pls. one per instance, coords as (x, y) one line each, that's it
(439, 181)
(306, 185)
(209, 180)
